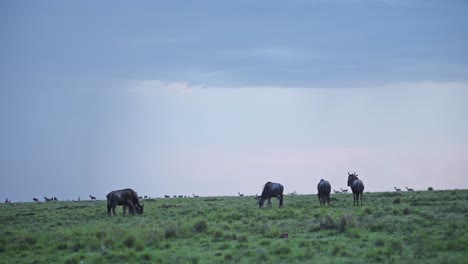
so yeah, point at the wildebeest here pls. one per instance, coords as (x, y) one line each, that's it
(240, 194)
(357, 186)
(324, 189)
(409, 189)
(336, 191)
(196, 196)
(344, 190)
(48, 199)
(125, 197)
(397, 189)
(270, 190)
(93, 198)
(167, 196)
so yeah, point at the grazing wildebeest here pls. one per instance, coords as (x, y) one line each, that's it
(167, 196)
(48, 199)
(270, 190)
(344, 190)
(93, 198)
(324, 189)
(397, 190)
(125, 197)
(409, 189)
(357, 186)
(240, 194)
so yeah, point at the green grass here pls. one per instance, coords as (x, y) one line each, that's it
(419, 227)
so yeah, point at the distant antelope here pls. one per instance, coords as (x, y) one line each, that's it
(7, 201)
(396, 189)
(409, 189)
(146, 197)
(48, 199)
(93, 198)
(240, 194)
(36, 200)
(336, 191)
(344, 191)
(196, 196)
(167, 196)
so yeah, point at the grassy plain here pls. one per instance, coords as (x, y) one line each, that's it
(416, 227)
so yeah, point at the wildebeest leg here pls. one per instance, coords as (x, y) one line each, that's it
(269, 201)
(280, 200)
(113, 208)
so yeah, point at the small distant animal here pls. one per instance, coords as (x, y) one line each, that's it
(93, 198)
(36, 200)
(397, 190)
(324, 189)
(175, 196)
(7, 201)
(48, 199)
(336, 191)
(167, 196)
(146, 197)
(271, 189)
(181, 196)
(126, 198)
(409, 189)
(240, 194)
(357, 186)
(196, 196)
(55, 199)
(344, 191)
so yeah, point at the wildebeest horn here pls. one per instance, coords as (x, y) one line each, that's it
(349, 174)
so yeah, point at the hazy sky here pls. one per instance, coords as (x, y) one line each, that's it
(219, 97)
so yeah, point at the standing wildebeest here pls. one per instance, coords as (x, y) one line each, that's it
(357, 186)
(270, 190)
(409, 189)
(93, 198)
(48, 199)
(324, 189)
(397, 189)
(126, 197)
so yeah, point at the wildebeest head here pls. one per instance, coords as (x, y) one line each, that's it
(352, 177)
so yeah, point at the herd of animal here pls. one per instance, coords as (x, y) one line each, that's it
(130, 200)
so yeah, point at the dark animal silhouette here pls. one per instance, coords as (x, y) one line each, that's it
(409, 189)
(55, 199)
(357, 186)
(93, 198)
(336, 191)
(196, 196)
(397, 190)
(270, 190)
(240, 194)
(48, 199)
(344, 190)
(126, 198)
(324, 189)
(167, 196)
(146, 197)
(7, 201)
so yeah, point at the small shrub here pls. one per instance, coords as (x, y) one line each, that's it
(327, 223)
(406, 211)
(346, 221)
(379, 242)
(397, 200)
(130, 241)
(368, 211)
(170, 232)
(200, 226)
(282, 250)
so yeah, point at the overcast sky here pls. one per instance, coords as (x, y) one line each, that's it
(219, 97)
